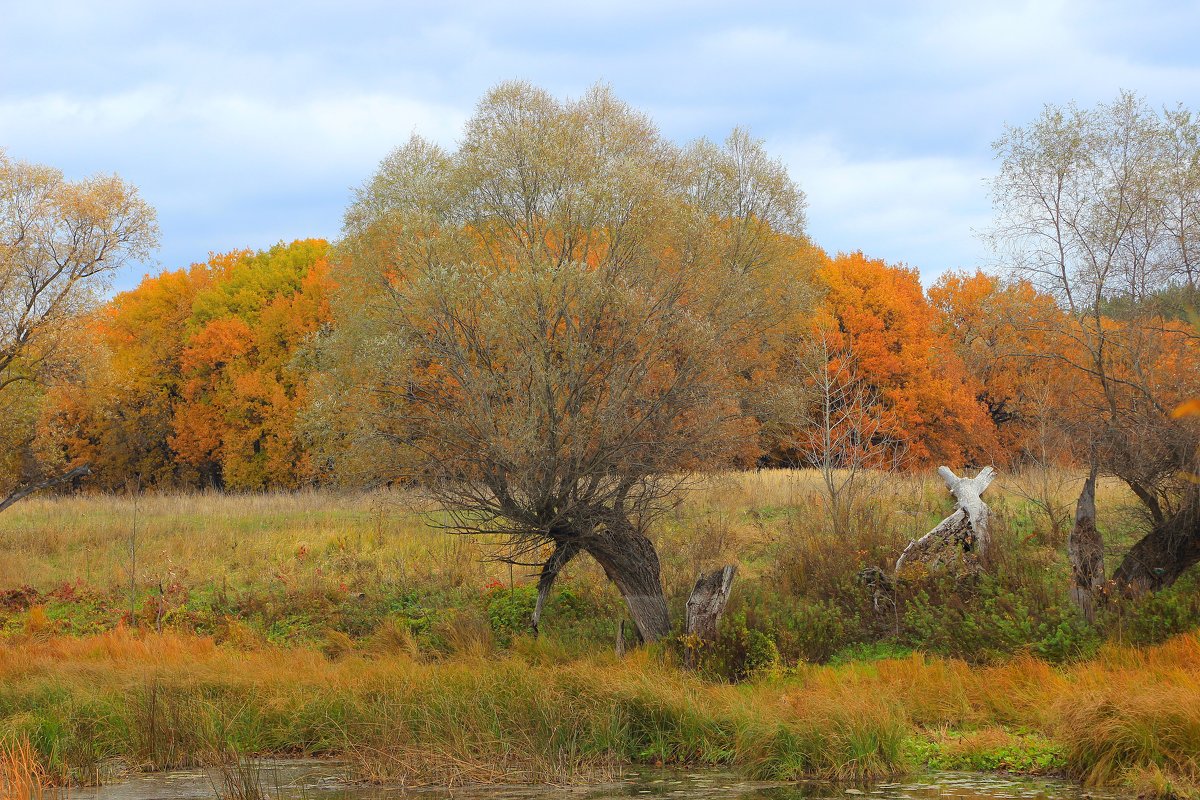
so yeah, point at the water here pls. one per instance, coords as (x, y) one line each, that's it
(323, 780)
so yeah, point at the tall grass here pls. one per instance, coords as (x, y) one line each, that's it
(534, 714)
(22, 776)
(155, 702)
(360, 538)
(236, 776)
(325, 624)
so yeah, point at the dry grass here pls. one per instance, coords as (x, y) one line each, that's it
(238, 539)
(22, 776)
(534, 715)
(356, 539)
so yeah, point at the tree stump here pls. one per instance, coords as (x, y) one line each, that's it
(1085, 549)
(961, 537)
(705, 607)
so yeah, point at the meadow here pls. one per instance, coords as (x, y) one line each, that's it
(166, 630)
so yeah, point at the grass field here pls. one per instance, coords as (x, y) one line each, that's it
(346, 624)
(249, 540)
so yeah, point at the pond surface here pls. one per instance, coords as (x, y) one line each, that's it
(324, 780)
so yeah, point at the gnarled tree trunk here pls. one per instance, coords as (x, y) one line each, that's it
(1085, 549)
(1162, 555)
(631, 562)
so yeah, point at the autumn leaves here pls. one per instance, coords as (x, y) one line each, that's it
(202, 375)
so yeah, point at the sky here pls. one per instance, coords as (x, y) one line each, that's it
(249, 123)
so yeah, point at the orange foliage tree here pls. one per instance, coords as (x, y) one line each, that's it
(1006, 334)
(240, 394)
(877, 315)
(196, 381)
(120, 418)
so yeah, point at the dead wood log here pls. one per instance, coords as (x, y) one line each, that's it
(961, 537)
(880, 585)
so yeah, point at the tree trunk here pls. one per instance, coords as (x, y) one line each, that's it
(631, 562)
(24, 491)
(564, 551)
(705, 607)
(1085, 549)
(1162, 555)
(707, 602)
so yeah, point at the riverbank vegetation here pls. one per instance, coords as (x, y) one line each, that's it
(97, 705)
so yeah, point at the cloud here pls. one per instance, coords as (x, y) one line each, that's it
(225, 171)
(917, 209)
(249, 123)
(322, 132)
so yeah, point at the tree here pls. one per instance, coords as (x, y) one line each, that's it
(239, 394)
(199, 374)
(842, 432)
(985, 319)
(1097, 208)
(926, 400)
(120, 420)
(551, 327)
(60, 242)
(1002, 331)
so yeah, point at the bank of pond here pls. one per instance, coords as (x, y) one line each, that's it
(93, 709)
(306, 779)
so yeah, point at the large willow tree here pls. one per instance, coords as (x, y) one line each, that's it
(551, 327)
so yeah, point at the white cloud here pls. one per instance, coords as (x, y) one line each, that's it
(248, 123)
(316, 133)
(916, 209)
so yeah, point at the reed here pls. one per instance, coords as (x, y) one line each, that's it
(22, 776)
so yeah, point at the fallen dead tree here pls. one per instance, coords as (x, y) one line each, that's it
(961, 538)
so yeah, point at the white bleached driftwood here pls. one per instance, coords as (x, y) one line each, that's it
(962, 535)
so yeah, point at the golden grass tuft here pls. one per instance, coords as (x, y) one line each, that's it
(22, 776)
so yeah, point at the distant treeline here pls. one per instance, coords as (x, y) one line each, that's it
(200, 377)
